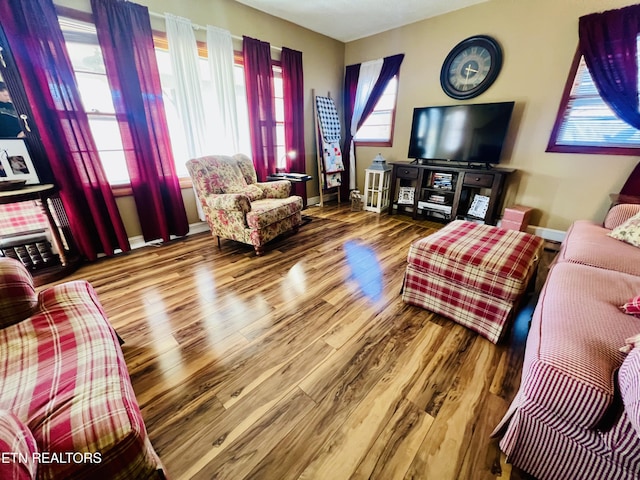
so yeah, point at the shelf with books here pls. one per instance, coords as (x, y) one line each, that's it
(445, 192)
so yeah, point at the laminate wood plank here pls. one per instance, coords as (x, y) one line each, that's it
(240, 458)
(287, 366)
(443, 452)
(341, 454)
(237, 421)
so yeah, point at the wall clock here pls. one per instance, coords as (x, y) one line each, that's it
(471, 67)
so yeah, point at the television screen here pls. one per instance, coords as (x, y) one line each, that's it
(460, 133)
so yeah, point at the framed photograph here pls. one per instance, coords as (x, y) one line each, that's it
(15, 161)
(406, 195)
(479, 206)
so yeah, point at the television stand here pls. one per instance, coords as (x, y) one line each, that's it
(444, 193)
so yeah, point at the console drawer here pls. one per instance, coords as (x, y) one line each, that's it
(478, 179)
(407, 172)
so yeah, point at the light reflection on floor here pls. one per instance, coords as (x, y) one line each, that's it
(364, 269)
(171, 362)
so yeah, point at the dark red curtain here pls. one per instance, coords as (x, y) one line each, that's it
(35, 38)
(352, 73)
(293, 86)
(262, 120)
(608, 42)
(126, 40)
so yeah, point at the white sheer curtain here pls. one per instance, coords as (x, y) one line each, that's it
(183, 52)
(224, 121)
(369, 73)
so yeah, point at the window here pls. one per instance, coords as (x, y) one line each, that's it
(278, 103)
(88, 64)
(86, 58)
(176, 130)
(378, 128)
(586, 124)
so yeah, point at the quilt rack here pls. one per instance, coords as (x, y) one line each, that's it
(328, 151)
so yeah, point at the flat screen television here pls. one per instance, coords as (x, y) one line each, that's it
(472, 134)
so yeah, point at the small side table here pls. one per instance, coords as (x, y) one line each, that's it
(68, 260)
(376, 190)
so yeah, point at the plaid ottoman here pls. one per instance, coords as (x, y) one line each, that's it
(473, 274)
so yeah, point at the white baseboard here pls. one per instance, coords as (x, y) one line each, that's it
(313, 201)
(138, 240)
(547, 233)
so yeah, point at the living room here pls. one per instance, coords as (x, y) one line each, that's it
(206, 329)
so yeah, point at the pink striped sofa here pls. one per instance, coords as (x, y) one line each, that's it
(570, 419)
(67, 407)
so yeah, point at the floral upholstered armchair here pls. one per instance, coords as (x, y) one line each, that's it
(237, 206)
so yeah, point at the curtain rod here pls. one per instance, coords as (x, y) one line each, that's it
(200, 27)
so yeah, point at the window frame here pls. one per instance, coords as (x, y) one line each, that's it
(554, 147)
(389, 142)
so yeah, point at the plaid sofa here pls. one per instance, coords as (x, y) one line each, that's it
(574, 416)
(67, 407)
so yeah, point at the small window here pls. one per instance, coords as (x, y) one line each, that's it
(378, 128)
(586, 124)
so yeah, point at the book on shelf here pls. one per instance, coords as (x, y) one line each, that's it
(441, 180)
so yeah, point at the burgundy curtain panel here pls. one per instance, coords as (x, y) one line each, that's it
(258, 76)
(608, 42)
(35, 38)
(352, 73)
(126, 40)
(293, 86)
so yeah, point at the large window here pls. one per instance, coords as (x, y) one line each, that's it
(176, 130)
(586, 124)
(86, 58)
(378, 127)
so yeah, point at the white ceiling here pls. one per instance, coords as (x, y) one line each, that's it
(348, 20)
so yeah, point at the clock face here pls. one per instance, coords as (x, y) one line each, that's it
(471, 67)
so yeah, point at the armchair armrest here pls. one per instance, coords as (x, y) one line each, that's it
(276, 189)
(229, 201)
(620, 214)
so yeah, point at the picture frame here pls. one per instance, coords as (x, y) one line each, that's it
(406, 195)
(15, 161)
(479, 206)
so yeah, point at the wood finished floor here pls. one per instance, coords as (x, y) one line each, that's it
(305, 363)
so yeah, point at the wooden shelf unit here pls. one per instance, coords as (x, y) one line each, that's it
(444, 192)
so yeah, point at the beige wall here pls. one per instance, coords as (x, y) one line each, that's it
(323, 63)
(539, 39)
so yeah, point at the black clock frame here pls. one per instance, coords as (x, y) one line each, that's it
(484, 41)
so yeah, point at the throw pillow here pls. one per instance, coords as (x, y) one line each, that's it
(632, 307)
(18, 298)
(628, 232)
(629, 383)
(17, 448)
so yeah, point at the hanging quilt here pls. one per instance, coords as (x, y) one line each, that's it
(329, 123)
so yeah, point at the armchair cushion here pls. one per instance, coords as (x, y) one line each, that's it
(277, 189)
(252, 192)
(229, 201)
